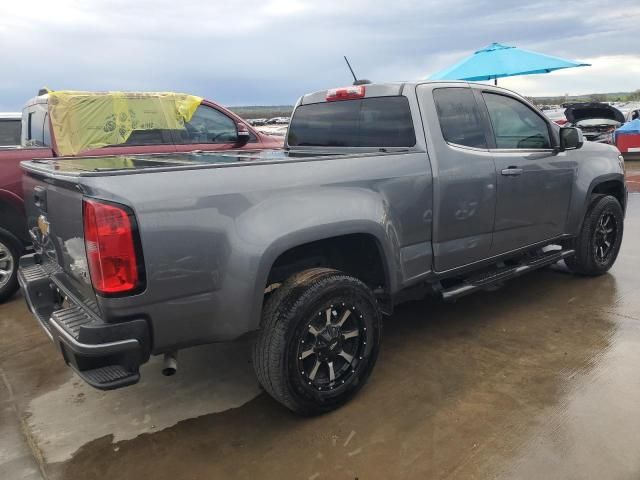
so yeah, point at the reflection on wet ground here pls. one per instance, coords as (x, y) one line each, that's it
(536, 380)
(633, 176)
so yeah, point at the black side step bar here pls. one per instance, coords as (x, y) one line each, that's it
(499, 275)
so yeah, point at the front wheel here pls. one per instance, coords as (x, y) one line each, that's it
(9, 256)
(318, 341)
(599, 241)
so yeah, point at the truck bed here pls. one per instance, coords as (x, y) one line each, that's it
(132, 164)
(203, 224)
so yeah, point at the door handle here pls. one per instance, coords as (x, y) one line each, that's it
(512, 171)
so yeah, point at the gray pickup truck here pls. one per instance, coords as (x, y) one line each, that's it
(384, 192)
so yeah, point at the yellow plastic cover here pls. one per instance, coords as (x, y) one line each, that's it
(86, 120)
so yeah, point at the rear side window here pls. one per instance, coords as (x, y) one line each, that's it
(459, 117)
(10, 132)
(368, 122)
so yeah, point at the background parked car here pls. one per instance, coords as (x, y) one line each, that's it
(210, 128)
(278, 121)
(633, 115)
(627, 139)
(10, 127)
(597, 121)
(556, 115)
(275, 129)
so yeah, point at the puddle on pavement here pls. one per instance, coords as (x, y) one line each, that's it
(594, 429)
(210, 379)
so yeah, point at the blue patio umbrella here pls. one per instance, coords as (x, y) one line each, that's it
(498, 60)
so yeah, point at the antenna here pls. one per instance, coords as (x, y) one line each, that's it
(355, 79)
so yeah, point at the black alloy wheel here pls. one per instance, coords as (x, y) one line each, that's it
(606, 234)
(332, 346)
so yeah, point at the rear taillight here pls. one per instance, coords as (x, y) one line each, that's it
(346, 93)
(109, 237)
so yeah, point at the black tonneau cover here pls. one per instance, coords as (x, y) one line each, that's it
(145, 161)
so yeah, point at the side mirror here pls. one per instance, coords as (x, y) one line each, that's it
(570, 138)
(243, 136)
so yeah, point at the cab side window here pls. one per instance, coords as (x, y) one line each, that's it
(208, 125)
(10, 132)
(515, 125)
(459, 117)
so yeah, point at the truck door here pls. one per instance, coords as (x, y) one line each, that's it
(533, 181)
(464, 175)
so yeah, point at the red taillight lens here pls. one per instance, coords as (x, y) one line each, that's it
(346, 93)
(111, 252)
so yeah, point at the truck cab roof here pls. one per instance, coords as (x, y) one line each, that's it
(10, 115)
(384, 89)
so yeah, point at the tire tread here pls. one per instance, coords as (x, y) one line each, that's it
(269, 350)
(583, 263)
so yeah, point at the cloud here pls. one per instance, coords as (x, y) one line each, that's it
(616, 73)
(272, 51)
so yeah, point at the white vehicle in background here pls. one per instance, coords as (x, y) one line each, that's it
(630, 110)
(10, 129)
(633, 114)
(273, 129)
(278, 121)
(556, 115)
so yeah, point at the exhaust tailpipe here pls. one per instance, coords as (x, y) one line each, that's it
(170, 364)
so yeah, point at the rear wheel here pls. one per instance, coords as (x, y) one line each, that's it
(319, 340)
(9, 255)
(599, 241)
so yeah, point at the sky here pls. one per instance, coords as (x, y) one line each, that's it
(270, 52)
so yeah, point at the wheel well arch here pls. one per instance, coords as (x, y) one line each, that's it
(614, 188)
(358, 254)
(13, 219)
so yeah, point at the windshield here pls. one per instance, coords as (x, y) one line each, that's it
(368, 122)
(10, 132)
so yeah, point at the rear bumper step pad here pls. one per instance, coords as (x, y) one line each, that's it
(105, 355)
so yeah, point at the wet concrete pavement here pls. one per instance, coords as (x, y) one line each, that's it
(536, 380)
(633, 176)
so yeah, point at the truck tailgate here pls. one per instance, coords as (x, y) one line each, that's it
(55, 223)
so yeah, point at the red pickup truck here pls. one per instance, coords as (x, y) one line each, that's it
(210, 127)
